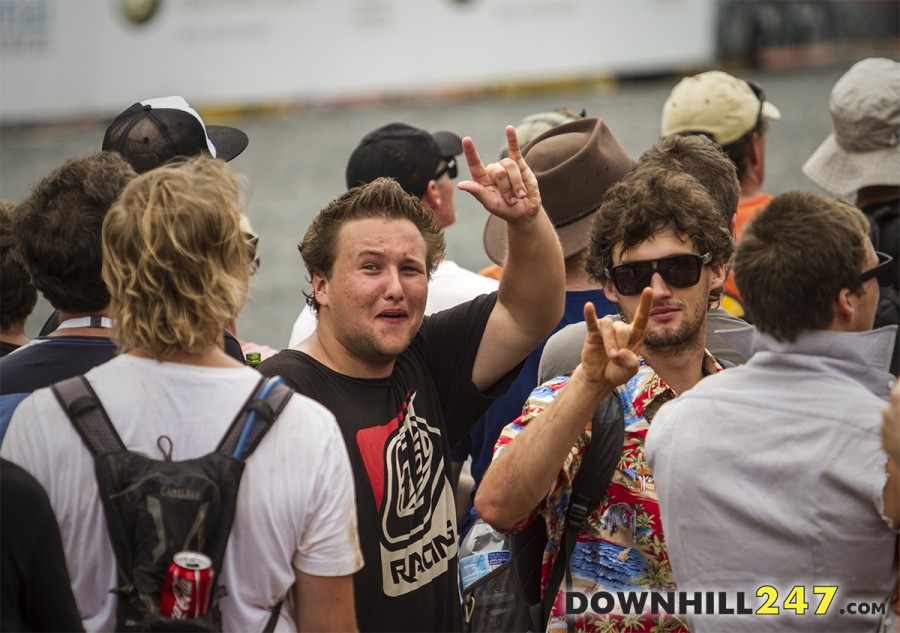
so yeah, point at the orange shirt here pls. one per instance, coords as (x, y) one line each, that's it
(493, 271)
(748, 209)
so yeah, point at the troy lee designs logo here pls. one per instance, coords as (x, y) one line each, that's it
(417, 509)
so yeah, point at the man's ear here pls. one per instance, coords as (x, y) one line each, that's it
(432, 196)
(320, 288)
(610, 291)
(717, 273)
(757, 149)
(843, 308)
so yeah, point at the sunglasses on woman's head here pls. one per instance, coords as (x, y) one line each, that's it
(679, 271)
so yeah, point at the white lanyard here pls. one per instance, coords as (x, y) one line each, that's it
(88, 321)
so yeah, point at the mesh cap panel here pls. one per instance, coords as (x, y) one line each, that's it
(149, 136)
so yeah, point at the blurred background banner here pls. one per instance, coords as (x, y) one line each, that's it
(72, 58)
(268, 51)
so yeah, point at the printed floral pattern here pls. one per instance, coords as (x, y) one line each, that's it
(621, 547)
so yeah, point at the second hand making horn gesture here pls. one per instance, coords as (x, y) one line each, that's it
(609, 355)
(531, 297)
(521, 476)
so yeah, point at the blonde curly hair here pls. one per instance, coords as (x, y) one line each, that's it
(175, 258)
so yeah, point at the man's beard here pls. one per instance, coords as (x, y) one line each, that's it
(667, 342)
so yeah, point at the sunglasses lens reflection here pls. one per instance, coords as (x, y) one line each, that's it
(681, 271)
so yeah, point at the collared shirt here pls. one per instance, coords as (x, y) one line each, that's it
(621, 547)
(771, 474)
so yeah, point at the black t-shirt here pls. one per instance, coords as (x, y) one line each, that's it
(884, 229)
(884, 224)
(37, 593)
(6, 348)
(398, 432)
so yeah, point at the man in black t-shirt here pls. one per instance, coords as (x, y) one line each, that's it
(405, 388)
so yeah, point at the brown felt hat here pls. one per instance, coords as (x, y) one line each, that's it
(575, 163)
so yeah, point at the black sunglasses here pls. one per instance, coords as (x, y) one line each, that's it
(449, 169)
(679, 271)
(761, 95)
(880, 271)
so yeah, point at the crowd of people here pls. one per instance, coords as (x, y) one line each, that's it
(730, 353)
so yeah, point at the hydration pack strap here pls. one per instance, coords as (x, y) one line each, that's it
(273, 619)
(81, 404)
(78, 400)
(256, 416)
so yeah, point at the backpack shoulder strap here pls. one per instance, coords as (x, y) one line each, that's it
(590, 483)
(87, 415)
(255, 418)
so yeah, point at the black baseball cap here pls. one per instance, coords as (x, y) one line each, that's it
(405, 153)
(152, 132)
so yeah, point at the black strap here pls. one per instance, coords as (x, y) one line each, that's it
(267, 410)
(86, 412)
(80, 402)
(273, 619)
(591, 481)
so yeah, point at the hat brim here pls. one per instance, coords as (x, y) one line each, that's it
(843, 173)
(769, 111)
(228, 141)
(449, 144)
(573, 238)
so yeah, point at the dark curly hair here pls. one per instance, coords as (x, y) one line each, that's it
(17, 294)
(59, 227)
(700, 157)
(648, 201)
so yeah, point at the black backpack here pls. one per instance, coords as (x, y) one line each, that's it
(508, 599)
(155, 509)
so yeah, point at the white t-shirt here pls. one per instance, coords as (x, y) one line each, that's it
(450, 285)
(295, 506)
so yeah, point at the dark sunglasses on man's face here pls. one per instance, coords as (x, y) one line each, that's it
(449, 169)
(880, 271)
(679, 271)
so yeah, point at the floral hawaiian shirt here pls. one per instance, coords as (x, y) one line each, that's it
(621, 547)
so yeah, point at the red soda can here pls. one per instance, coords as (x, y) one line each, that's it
(187, 587)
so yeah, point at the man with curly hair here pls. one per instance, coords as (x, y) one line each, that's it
(59, 227)
(17, 293)
(659, 247)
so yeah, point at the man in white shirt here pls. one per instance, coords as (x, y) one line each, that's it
(772, 473)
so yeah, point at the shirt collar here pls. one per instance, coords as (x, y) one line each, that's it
(862, 356)
(651, 392)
